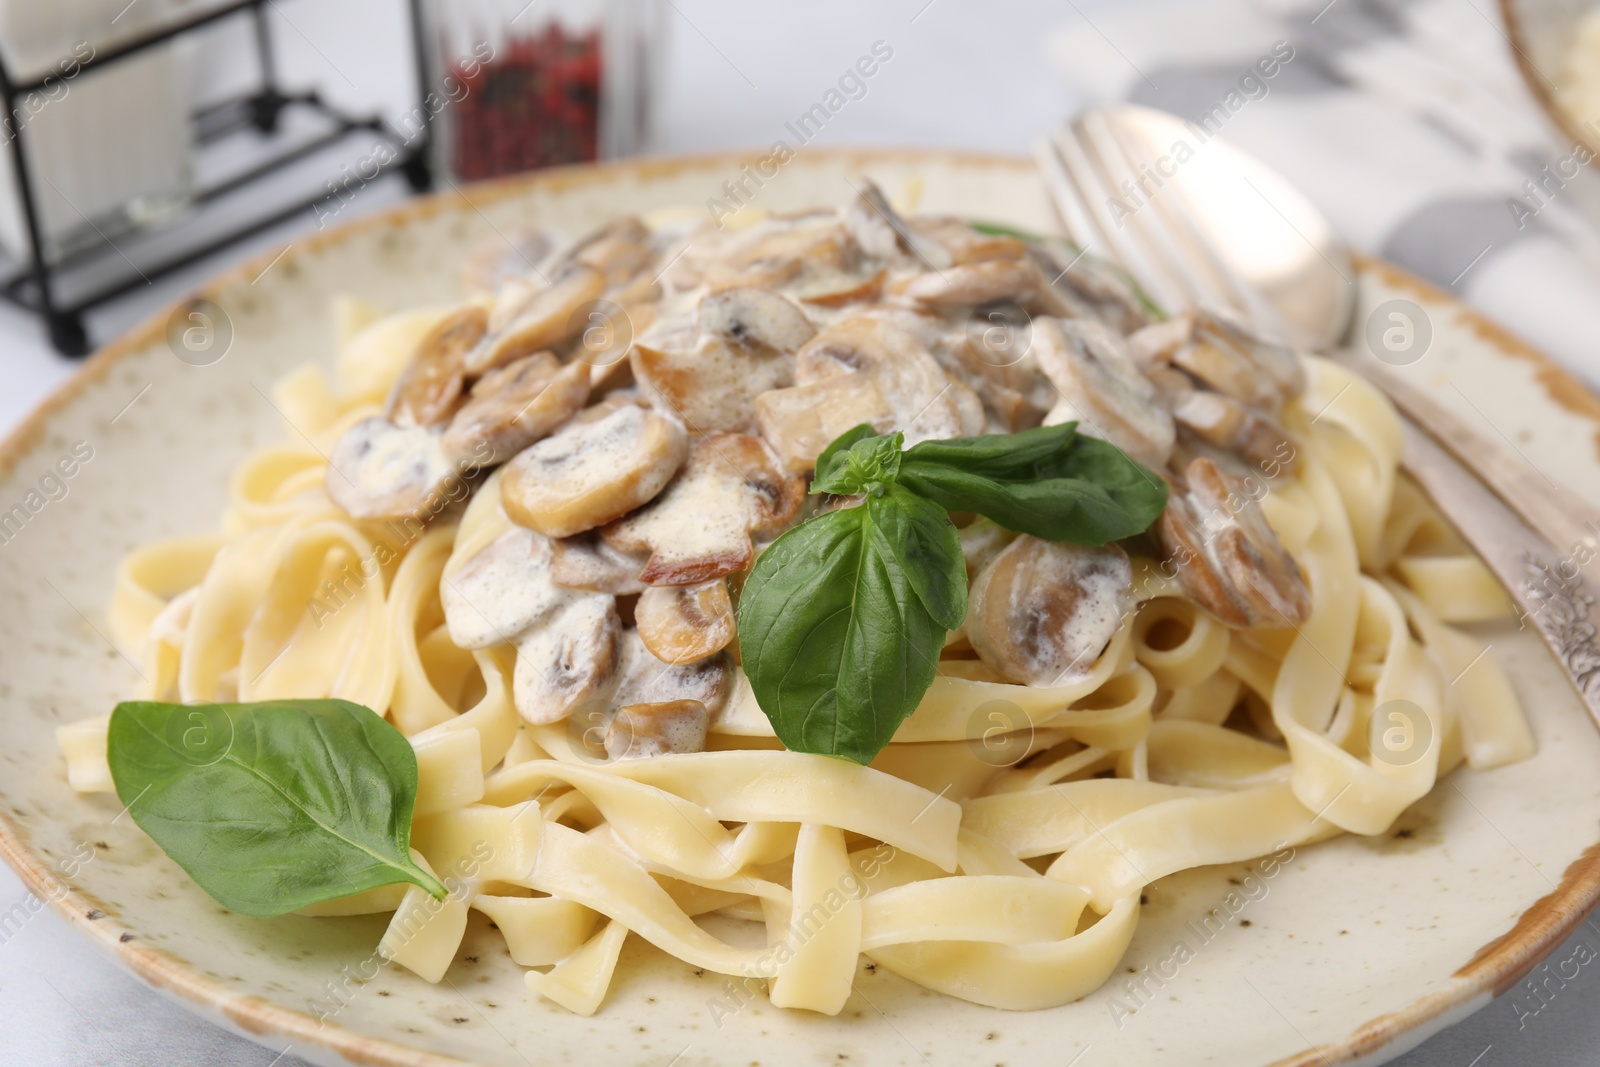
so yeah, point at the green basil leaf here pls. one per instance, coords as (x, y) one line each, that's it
(928, 548)
(1043, 452)
(832, 457)
(274, 806)
(1088, 492)
(837, 642)
(869, 460)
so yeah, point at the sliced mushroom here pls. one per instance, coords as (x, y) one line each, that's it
(618, 250)
(1040, 612)
(1101, 388)
(1226, 424)
(1017, 281)
(592, 472)
(501, 591)
(524, 322)
(742, 349)
(964, 244)
(573, 657)
(755, 318)
(1227, 557)
(1220, 352)
(429, 388)
(644, 679)
(882, 233)
(981, 541)
(501, 256)
(639, 731)
(685, 623)
(730, 487)
(382, 471)
(587, 562)
(801, 421)
(839, 290)
(513, 406)
(784, 250)
(910, 381)
(1091, 287)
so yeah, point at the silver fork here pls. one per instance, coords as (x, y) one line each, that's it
(1167, 242)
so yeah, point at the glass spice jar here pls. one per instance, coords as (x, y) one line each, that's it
(522, 85)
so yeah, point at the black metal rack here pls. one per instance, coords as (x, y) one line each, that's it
(35, 285)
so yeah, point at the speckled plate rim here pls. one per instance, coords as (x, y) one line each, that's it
(1536, 81)
(1494, 968)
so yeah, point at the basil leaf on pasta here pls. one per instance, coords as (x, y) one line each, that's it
(274, 806)
(837, 640)
(858, 459)
(1050, 482)
(831, 458)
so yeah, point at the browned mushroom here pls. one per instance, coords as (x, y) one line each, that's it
(573, 657)
(589, 473)
(639, 731)
(685, 623)
(618, 250)
(1226, 424)
(785, 250)
(1090, 288)
(378, 470)
(1040, 612)
(644, 679)
(989, 281)
(587, 562)
(526, 319)
(801, 421)
(1102, 389)
(500, 592)
(513, 406)
(923, 400)
(964, 244)
(503, 255)
(700, 527)
(1227, 557)
(742, 349)
(427, 391)
(1220, 352)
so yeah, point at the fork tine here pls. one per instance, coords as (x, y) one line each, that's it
(1080, 191)
(1176, 229)
(1115, 169)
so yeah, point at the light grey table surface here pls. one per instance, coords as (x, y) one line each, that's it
(982, 76)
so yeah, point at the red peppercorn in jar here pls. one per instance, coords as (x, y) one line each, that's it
(526, 85)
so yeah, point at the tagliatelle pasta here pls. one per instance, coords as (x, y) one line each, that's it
(994, 851)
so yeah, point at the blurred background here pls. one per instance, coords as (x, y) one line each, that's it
(153, 143)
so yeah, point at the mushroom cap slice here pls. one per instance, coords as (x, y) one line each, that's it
(378, 470)
(639, 731)
(1090, 287)
(757, 318)
(685, 623)
(964, 244)
(429, 387)
(699, 528)
(1219, 351)
(618, 250)
(513, 406)
(587, 562)
(1102, 388)
(742, 349)
(1227, 557)
(991, 281)
(592, 472)
(1226, 424)
(572, 658)
(913, 385)
(799, 422)
(501, 591)
(785, 249)
(644, 679)
(1040, 612)
(523, 322)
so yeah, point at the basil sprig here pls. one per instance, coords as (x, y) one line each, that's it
(274, 806)
(842, 618)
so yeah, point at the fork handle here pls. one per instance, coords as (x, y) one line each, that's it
(1550, 591)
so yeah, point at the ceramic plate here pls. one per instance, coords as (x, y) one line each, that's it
(1352, 952)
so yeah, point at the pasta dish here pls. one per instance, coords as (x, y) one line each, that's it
(644, 549)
